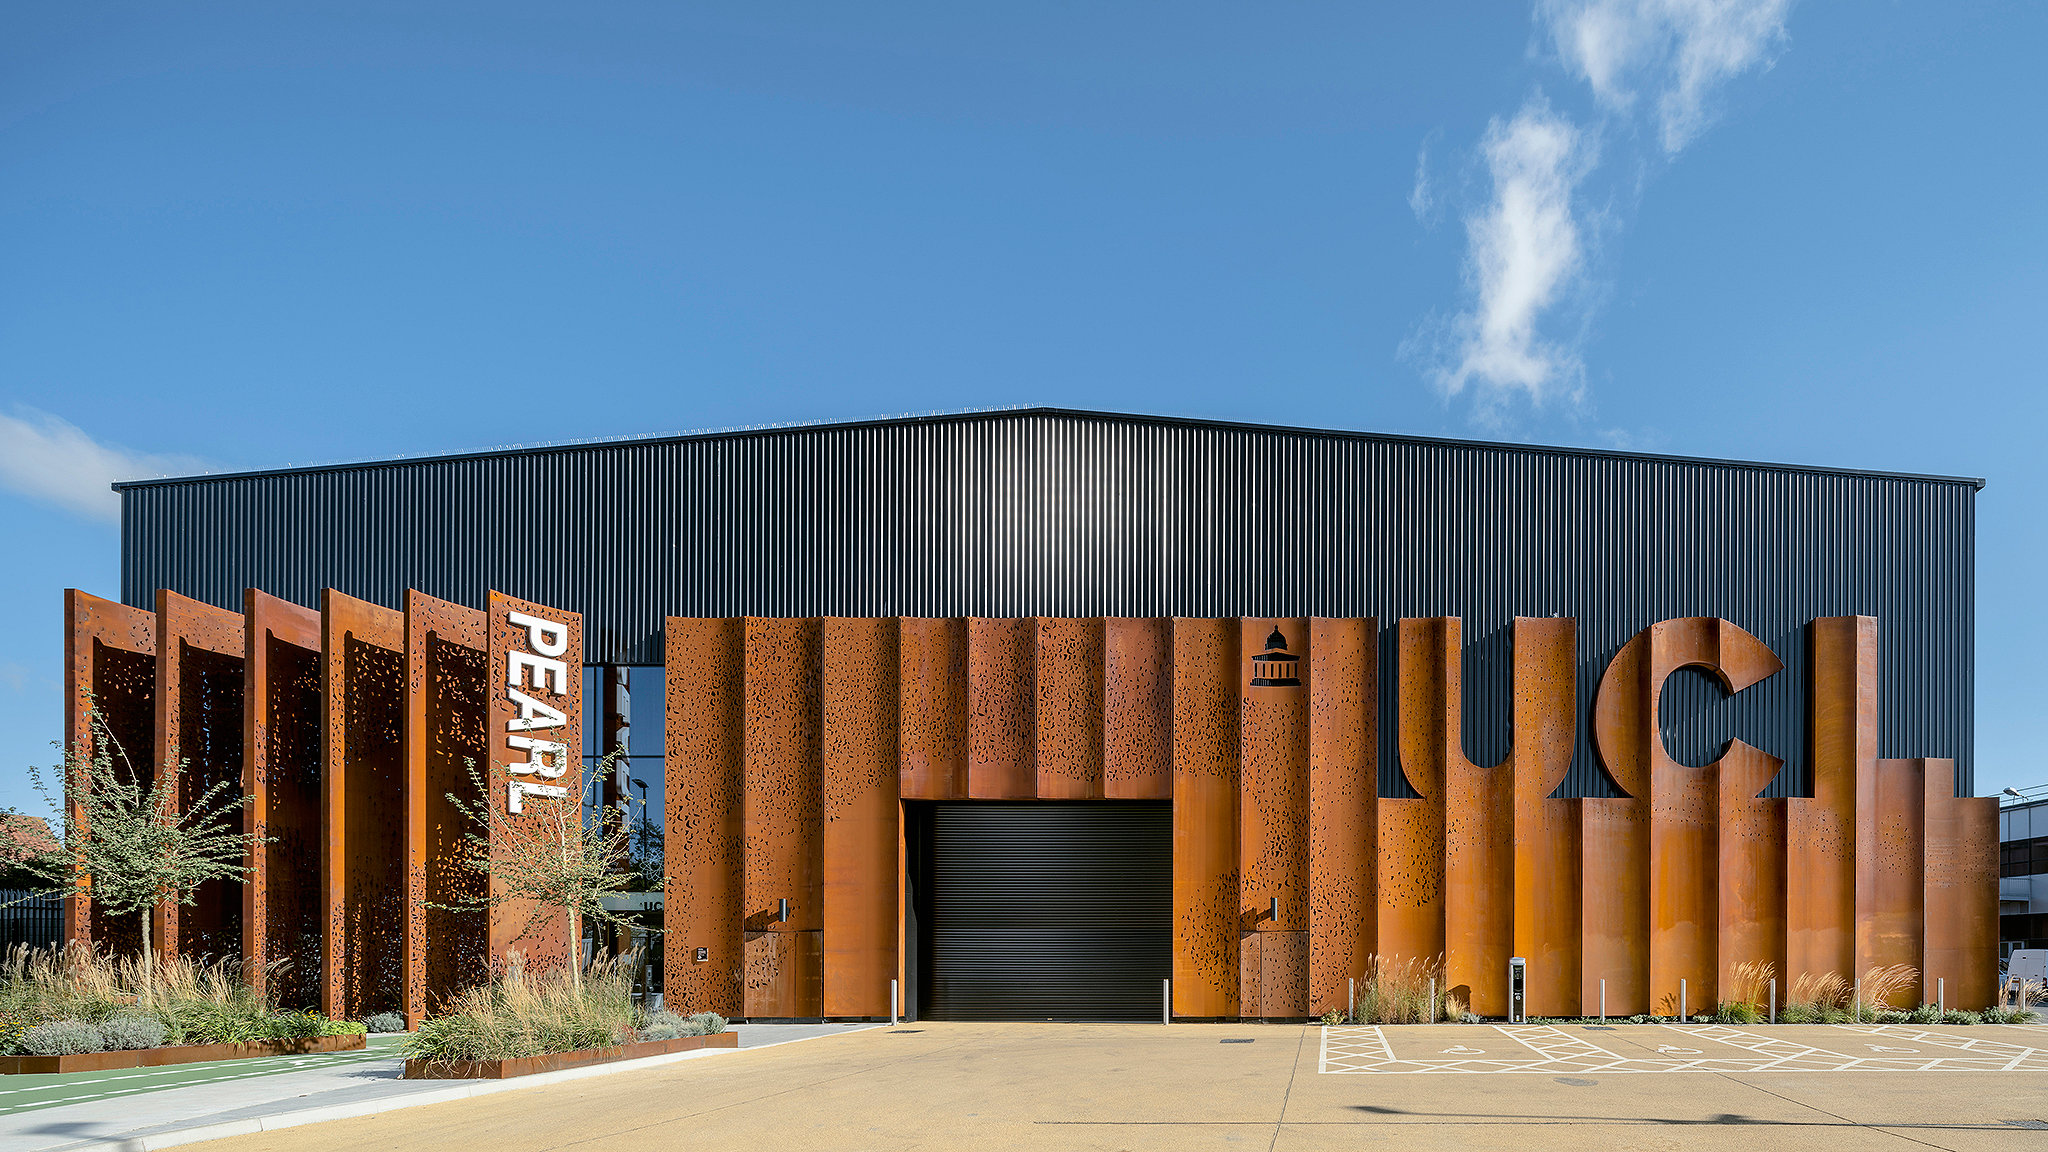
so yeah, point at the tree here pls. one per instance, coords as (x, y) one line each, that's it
(548, 857)
(126, 843)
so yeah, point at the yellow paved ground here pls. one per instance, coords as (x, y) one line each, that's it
(1068, 1086)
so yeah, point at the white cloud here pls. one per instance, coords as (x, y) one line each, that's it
(1679, 50)
(1525, 250)
(47, 458)
(1419, 197)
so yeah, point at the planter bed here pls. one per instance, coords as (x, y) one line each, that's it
(181, 1054)
(554, 1061)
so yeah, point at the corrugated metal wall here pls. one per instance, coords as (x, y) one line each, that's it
(1074, 514)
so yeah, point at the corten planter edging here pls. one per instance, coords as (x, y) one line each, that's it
(181, 1054)
(556, 1061)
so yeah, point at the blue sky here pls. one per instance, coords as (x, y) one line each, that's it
(239, 236)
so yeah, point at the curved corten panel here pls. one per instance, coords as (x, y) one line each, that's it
(281, 739)
(784, 853)
(1205, 864)
(1343, 807)
(1614, 841)
(1273, 815)
(446, 653)
(860, 815)
(1137, 709)
(362, 812)
(199, 656)
(1002, 718)
(1962, 891)
(1068, 702)
(1752, 879)
(1684, 848)
(1821, 830)
(1546, 831)
(1411, 879)
(704, 838)
(1891, 882)
(932, 695)
(109, 665)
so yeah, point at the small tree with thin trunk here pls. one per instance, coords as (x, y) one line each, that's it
(126, 843)
(546, 856)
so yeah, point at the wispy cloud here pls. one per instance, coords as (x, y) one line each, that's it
(1421, 197)
(1680, 51)
(47, 458)
(1523, 249)
(1529, 247)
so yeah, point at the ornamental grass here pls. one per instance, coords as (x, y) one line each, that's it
(1396, 990)
(521, 1013)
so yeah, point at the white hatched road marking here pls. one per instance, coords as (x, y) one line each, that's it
(1366, 1050)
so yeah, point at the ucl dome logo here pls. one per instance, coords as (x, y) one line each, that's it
(1276, 667)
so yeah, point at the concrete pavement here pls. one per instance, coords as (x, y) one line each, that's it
(1080, 1086)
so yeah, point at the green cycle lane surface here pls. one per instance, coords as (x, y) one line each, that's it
(28, 1092)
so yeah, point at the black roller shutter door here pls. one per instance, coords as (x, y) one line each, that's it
(1038, 911)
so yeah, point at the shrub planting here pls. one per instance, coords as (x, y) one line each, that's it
(128, 1033)
(385, 1022)
(519, 1013)
(61, 1038)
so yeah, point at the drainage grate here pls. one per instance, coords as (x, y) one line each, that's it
(1233, 1041)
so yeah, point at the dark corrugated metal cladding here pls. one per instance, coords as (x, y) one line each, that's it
(1065, 514)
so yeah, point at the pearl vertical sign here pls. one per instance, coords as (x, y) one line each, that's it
(536, 736)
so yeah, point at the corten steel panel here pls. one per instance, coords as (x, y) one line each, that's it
(932, 680)
(1273, 811)
(1752, 864)
(110, 667)
(1891, 929)
(1545, 831)
(542, 935)
(1684, 802)
(1962, 891)
(362, 806)
(1001, 714)
(199, 689)
(446, 658)
(282, 732)
(1068, 701)
(784, 853)
(705, 762)
(1411, 879)
(1478, 821)
(1137, 709)
(1343, 812)
(1614, 841)
(1820, 908)
(860, 816)
(1206, 963)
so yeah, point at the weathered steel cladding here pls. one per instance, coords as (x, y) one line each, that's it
(1071, 514)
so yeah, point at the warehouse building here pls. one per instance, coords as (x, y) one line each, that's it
(1049, 714)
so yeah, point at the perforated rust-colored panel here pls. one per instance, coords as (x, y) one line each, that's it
(1343, 807)
(1752, 865)
(784, 853)
(1891, 881)
(1821, 831)
(199, 651)
(1068, 700)
(518, 661)
(446, 661)
(1002, 717)
(1962, 891)
(705, 761)
(282, 727)
(1411, 865)
(1137, 709)
(860, 815)
(363, 811)
(1684, 846)
(1273, 814)
(1545, 832)
(932, 690)
(1206, 964)
(109, 666)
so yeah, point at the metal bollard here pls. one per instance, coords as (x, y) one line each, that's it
(892, 1004)
(1603, 999)
(1433, 1016)
(1774, 1000)
(1166, 1001)
(1683, 1015)
(1941, 995)
(1856, 1001)
(1351, 1002)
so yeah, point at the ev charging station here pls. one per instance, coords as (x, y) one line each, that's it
(1518, 989)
